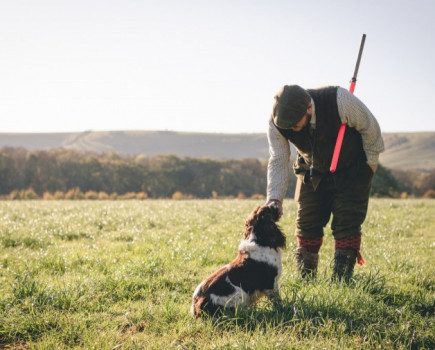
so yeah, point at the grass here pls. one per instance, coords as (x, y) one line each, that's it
(120, 275)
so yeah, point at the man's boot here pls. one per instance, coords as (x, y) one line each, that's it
(306, 262)
(344, 262)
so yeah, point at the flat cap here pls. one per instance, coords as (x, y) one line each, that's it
(291, 103)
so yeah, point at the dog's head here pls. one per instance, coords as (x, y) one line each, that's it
(262, 224)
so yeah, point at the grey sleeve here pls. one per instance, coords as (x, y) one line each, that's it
(356, 115)
(278, 169)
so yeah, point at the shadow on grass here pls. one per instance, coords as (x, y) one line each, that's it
(420, 301)
(366, 309)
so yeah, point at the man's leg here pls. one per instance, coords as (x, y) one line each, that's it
(349, 212)
(314, 210)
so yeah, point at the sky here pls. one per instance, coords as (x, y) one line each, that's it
(207, 66)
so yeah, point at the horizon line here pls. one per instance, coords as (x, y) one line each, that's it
(174, 131)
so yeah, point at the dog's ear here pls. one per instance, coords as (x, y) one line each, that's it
(275, 211)
(252, 218)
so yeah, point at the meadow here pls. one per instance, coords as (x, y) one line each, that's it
(120, 275)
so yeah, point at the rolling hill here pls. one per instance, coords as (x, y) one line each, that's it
(402, 150)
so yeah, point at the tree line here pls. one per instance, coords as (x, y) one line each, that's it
(110, 175)
(157, 176)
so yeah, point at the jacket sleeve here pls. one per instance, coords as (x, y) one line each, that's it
(278, 169)
(356, 115)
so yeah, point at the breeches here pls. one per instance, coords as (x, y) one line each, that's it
(344, 195)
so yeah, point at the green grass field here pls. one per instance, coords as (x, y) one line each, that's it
(120, 275)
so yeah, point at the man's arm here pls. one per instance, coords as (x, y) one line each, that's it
(356, 115)
(278, 169)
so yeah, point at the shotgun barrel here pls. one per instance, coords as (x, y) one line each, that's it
(341, 131)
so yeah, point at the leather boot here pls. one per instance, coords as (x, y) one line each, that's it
(306, 262)
(344, 262)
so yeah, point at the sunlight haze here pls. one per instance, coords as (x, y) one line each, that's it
(207, 66)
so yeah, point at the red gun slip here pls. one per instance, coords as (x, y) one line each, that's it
(342, 129)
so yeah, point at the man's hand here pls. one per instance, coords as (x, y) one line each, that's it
(373, 167)
(277, 203)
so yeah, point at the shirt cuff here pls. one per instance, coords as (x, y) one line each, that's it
(372, 158)
(277, 195)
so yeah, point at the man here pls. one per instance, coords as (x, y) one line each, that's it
(310, 120)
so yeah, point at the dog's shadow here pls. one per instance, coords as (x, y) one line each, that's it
(261, 316)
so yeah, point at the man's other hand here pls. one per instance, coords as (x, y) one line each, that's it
(373, 167)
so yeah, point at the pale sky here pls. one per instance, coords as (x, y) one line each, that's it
(207, 66)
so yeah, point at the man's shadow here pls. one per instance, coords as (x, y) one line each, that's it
(379, 302)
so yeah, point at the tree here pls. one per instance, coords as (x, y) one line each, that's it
(384, 184)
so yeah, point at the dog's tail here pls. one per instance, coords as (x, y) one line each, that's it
(197, 304)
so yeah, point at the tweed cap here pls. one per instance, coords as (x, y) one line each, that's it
(291, 103)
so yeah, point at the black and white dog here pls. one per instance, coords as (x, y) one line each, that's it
(255, 271)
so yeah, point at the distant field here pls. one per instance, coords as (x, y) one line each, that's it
(120, 275)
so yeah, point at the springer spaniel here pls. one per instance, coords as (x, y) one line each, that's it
(255, 271)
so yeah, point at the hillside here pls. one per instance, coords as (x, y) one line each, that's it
(236, 146)
(409, 150)
(403, 150)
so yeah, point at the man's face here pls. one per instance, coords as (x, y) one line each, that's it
(305, 119)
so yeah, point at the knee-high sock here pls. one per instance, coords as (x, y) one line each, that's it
(311, 244)
(353, 242)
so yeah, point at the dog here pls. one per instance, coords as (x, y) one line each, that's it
(255, 271)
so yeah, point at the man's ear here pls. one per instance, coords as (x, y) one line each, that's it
(310, 108)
